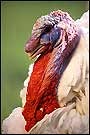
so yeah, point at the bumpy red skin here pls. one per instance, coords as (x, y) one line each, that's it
(41, 91)
(49, 98)
(41, 95)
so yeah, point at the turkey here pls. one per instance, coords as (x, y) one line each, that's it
(56, 92)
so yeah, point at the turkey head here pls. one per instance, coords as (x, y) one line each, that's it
(54, 38)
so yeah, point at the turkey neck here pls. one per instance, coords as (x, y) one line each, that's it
(53, 70)
(41, 95)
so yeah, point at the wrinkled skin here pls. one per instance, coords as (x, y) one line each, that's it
(54, 37)
(50, 31)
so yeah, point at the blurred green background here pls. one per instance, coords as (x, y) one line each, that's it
(17, 19)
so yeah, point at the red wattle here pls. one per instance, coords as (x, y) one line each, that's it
(34, 111)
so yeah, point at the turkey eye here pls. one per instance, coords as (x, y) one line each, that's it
(47, 29)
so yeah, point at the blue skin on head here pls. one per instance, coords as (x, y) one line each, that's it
(51, 37)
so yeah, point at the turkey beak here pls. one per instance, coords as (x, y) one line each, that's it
(33, 47)
(31, 44)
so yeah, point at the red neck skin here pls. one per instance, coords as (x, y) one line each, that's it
(41, 98)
